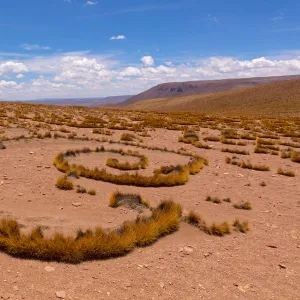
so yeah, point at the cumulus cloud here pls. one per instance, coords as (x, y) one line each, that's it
(75, 68)
(131, 71)
(12, 67)
(225, 67)
(4, 83)
(118, 37)
(84, 74)
(148, 61)
(30, 47)
(89, 3)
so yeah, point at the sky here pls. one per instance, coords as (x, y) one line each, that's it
(98, 48)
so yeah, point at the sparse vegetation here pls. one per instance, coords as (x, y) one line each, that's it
(289, 173)
(243, 205)
(63, 183)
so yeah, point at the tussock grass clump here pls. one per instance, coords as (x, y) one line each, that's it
(203, 146)
(133, 201)
(189, 137)
(243, 205)
(92, 192)
(289, 173)
(81, 190)
(227, 200)
(230, 134)
(195, 219)
(241, 226)
(63, 183)
(127, 137)
(90, 244)
(246, 165)
(236, 151)
(212, 138)
(219, 229)
(114, 163)
(213, 200)
(295, 156)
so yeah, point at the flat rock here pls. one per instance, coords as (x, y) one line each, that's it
(49, 269)
(61, 294)
(76, 204)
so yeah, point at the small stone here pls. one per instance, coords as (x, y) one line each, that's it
(31, 152)
(49, 269)
(272, 246)
(15, 288)
(162, 285)
(187, 250)
(61, 294)
(282, 266)
(76, 204)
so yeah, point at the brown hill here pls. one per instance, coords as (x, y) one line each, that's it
(281, 98)
(175, 89)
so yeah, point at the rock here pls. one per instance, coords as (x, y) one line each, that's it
(187, 250)
(61, 294)
(76, 204)
(282, 266)
(162, 285)
(272, 246)
(15, 288)
(31, 152)
(49, 269)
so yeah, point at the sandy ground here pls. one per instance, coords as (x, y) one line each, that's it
(261, 264)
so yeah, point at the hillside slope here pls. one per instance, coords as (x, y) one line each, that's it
(281, 98)
(175, 89)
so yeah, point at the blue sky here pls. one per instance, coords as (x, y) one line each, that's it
(80, 48)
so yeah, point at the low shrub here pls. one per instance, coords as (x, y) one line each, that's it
(243, 205)
(236, 151)
(92, 192)
(286, 173)
(63, 183)
(241, 226)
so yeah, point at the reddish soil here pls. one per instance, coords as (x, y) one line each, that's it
(264, 263)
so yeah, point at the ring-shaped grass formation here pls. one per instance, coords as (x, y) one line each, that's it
(90, 244)
(178, 175)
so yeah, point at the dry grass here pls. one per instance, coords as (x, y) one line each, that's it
(172, 179)
(92, 192)
(213, 200)
(131, 200)
(289, 173)
(243, 205)
(63, 183)
(241, 226)
(236, 151)
(91, 244)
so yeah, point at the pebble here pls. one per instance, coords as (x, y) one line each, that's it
(61, 294)
(76, 204)
(186, 250)
(282, 266)
(49, 269)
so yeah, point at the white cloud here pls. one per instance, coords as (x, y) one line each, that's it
(75, 68)
(30, 47)
(89, 3)
(131, 71)
(12, 67)
(277, 18)
(211, 18)
(82, 74)
(4, 83)
(148, 61)
(225, 67)
(118, 37)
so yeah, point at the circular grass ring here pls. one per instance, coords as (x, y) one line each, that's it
(158, 179)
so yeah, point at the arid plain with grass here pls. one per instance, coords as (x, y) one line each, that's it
(121, 204)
